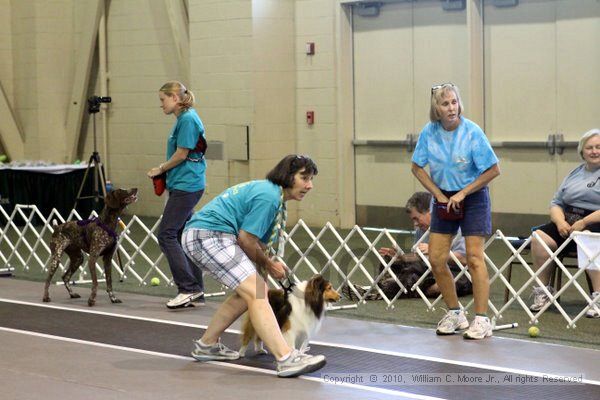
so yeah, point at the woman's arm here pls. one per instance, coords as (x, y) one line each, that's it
(427, 183)
(481, 181)
(255, 252)
(557, 216)
(580, 225)
(177, 158)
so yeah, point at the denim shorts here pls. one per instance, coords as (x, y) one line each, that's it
(477, 220)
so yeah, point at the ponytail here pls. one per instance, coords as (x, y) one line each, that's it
(185, 95)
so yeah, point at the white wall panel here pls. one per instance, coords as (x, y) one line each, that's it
(578, 66)
(520, 70)
(383, 73)
(398, 56)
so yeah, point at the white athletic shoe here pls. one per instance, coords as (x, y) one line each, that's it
(540, 298)
(594, 311)
(299, 363)
(183, 300)
(480, 328)
(451, 322)
(217, 351)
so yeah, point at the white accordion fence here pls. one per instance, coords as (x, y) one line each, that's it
(349, 259)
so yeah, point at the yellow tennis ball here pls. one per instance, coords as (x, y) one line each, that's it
(155, 281)
(534, 331)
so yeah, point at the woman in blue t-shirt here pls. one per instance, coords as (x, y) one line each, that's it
(461, 164)
(185, 173)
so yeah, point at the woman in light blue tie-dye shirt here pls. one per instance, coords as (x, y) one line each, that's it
(461, 164)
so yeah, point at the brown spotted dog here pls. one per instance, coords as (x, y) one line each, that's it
(299, 312)
(96, 237)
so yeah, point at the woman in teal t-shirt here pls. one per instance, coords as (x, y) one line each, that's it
(233, 238)
(185, 169)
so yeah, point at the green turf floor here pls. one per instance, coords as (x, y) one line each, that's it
(349, 256)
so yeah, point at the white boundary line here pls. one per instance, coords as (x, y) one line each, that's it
(329, 344)
(495, 337)
(447, 361)
(110, 314)
(396, 393)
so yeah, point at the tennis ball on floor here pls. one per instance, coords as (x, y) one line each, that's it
(154, 281)
(3, 157)
(534, 331)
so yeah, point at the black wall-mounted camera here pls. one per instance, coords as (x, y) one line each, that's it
(95, 101)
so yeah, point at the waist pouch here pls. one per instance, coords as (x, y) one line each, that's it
(160, 183)
(455, 214)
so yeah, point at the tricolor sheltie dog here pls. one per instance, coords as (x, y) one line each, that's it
(299, 313)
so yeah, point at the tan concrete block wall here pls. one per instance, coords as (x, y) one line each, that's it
(37, 70)
(6, 49)
(316, 90)
(6, 59)
(221, 65)
(141, 58)
(25, 72)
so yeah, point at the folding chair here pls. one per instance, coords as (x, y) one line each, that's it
(556, 277)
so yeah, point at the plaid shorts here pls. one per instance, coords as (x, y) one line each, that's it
(219, 254)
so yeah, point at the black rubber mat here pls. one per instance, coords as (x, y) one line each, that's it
(177, 340)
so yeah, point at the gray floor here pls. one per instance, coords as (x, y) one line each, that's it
(33, 365)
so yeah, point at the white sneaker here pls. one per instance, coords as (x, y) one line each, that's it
(594, 311)
(183, 300)
(480, 328)
(452, 321)
(540, 298)
(217, 351)
(299, 363)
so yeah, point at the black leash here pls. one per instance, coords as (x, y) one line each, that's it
(287, 289)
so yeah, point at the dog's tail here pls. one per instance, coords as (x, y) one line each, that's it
(54, 222)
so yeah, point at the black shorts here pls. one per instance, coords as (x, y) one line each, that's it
(551, 230)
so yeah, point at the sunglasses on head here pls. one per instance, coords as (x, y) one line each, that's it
(443, 85)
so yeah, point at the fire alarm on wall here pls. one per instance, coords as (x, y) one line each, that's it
(310, 117)
(310, 48)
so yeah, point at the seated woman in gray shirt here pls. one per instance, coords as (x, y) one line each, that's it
(575, 207)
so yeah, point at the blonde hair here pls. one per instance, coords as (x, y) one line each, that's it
(177, 88)
(437, 95)
(586, 136)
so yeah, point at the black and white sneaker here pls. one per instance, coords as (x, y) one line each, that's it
(199, 301)
(183, 300)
